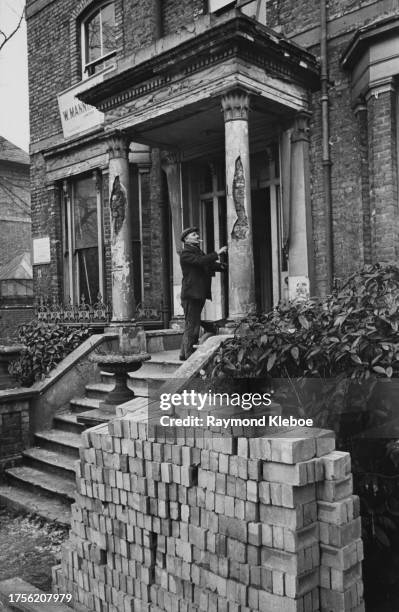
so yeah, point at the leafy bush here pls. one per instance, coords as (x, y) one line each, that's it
(354, 332)
(331, 351)
(45, 345)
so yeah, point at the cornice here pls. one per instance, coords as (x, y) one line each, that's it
(366, 36)
(239, 38)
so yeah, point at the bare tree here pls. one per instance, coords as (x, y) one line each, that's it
(5, 37)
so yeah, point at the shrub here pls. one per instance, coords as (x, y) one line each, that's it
(353, 332)
(45, 345)
(345, 341)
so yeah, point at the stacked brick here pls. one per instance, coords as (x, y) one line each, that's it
(212, 523)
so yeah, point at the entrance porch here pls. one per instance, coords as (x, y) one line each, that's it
(227, 106)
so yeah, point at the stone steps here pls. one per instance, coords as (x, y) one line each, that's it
(68, 421)
(98, 390)
(59, 441)
(45, 483)
(43, 504)
(54, 462)
(78, 404)
(42, 482)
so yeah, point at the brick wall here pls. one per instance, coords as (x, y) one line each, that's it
(55, 64)
(383, 168)
(14, 430)
(176, 14)
(11, 318)
(206, 522)
(356, 241)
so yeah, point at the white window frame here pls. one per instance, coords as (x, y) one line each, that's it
(102, 59)
(255, 8)
(70, 260)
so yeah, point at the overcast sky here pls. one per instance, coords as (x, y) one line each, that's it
(14, 101)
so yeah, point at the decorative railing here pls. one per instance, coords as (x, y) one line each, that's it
(148, 313)
(52, 311)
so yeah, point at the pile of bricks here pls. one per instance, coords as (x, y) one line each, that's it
(214, 523)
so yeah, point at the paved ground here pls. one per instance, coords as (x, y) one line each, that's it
(29, 547)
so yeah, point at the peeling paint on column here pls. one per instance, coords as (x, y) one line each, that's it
(240, 229)
(118, 205)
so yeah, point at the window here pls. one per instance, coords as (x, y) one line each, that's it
(98, 39)
(16, 288)
(82, 240)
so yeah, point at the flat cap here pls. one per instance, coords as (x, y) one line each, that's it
(188, 231)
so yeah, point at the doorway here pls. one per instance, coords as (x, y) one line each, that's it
(214, 235)
(262, 241)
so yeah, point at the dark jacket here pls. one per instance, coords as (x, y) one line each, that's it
(198, 270)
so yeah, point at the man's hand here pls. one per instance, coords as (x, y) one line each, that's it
(222, 250)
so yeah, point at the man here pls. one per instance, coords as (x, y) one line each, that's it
(198, 270)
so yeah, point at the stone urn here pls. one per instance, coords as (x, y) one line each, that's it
(119, 364)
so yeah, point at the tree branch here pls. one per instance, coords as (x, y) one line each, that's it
(8, 37)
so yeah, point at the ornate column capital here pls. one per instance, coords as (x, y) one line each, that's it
(380, 87)
(118, 145)
(169, 158)
(235, 105)
(300, 127)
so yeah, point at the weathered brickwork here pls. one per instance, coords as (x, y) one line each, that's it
(212, 523)
(365, 224)
(362, 147)
(14, 430)
(383, 168)
(139, 13)
(11, 318)
(176, 15)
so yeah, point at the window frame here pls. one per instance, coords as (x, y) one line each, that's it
(88, 66)
(70, 252)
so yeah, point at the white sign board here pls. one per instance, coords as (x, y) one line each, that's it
(249, 7)
(76, 116)
(41, 250)
(216, 5)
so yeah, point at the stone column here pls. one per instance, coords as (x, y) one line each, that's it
(300, 256)
(235, 105)
(171, 167)
(123, 302)
(383, 171)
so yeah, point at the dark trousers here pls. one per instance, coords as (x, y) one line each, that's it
(192, 315)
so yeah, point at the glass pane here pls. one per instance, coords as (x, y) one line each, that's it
(85, 214)
(88, 274)
(108, 27)
(93, 38)
(209, 226)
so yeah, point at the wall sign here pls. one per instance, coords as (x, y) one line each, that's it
(76, 116)
(41, 250)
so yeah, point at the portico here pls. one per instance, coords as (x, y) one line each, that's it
(227, 104)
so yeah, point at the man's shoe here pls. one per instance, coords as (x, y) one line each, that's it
(182, 358)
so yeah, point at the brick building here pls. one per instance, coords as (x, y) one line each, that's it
(16, 287)
(271, 124)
